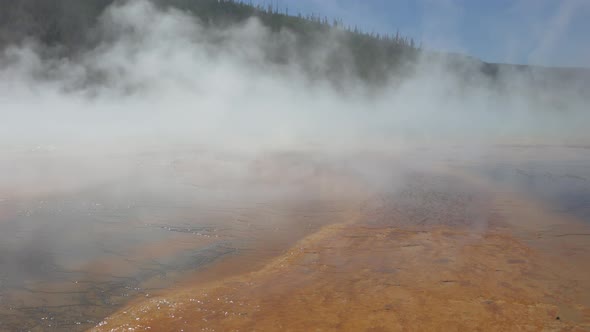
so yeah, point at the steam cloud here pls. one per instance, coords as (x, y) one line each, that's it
(159, 80)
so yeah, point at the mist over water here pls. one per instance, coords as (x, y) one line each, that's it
(158, 122)
(157, 77)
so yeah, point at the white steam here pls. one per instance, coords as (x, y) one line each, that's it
(160, 80)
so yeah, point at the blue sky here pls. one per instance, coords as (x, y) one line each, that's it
(545, 32)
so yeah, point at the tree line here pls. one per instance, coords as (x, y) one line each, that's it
(368, 55)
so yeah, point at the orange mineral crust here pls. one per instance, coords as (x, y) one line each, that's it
(399, 276)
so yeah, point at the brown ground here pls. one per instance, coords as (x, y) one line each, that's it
(418, 261)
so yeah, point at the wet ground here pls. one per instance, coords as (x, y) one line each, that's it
(495, 240)
(70, 257)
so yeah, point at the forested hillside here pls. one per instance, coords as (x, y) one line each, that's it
(67, 27)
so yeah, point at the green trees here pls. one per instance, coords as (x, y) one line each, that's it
(370, 56)
(52, 22)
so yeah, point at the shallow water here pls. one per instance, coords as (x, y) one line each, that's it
(559, 177)
(69, 259)
(442, 247)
